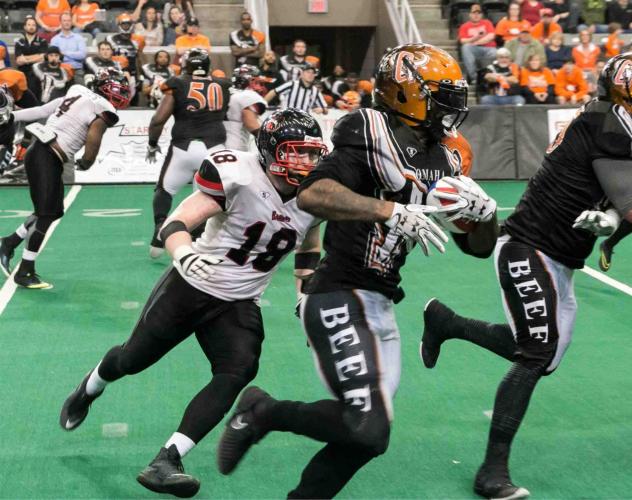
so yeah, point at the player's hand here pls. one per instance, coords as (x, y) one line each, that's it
(83, 165)
(472, 203)
(412, 222)
(193, 264)
(300, 297)
(152, 151)
(597, 222)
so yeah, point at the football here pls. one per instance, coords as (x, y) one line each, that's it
(458, 226)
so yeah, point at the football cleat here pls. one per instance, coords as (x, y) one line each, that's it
(76, 406)
(242, 430)
(494, 483)
(165, 474)
(436, 318)
(605, 256)
(6, 254)
(31, 280)
(156, 247)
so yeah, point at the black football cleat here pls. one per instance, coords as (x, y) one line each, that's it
(165, 474)
(76, 406)
(494, 483)
(6, 254)
(436, 319)
(31, 281)
(157, 246)
(242, 430)
(605, 256)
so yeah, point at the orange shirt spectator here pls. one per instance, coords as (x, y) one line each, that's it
(570, 85)
(48, 12)
(613, 44)
(193, 38)
(536, 80)
(543, 30)
(586, 57)
(509, 30)
(83, 14)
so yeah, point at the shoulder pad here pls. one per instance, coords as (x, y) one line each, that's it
(352, 129)
(611, 127)
(224, 171)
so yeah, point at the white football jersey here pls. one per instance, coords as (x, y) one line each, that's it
(74, 115)
(253, 234)
(237, 136)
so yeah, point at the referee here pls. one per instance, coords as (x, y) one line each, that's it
(301, 94)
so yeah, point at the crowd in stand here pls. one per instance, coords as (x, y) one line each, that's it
(523, 58)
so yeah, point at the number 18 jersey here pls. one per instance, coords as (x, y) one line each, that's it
(255, 231)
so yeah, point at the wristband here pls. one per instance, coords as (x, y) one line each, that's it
(306, 260)
(174, 226)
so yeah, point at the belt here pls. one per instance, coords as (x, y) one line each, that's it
(56, 148)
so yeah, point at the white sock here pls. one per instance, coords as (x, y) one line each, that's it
(29, 255)
(182, 442)
(95, 383)
(21, 231)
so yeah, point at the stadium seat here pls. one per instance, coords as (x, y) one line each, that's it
(117, 4)
(24, 4)
(495, 15)
(10, 38)
(492, 5)
(15, 18)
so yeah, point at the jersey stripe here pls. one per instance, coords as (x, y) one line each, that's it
(624, 118)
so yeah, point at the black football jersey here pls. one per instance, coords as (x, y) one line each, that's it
(128, 46)
(200, 108)
(376, 155)
(566, 184)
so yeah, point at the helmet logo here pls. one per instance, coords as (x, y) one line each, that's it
(401, 73)
(271, 126)
(623, 75)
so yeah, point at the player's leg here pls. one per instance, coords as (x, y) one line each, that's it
(539, 295)
(231, 340)
(606, 248)
(44, 170)
(348, 357)
(165, 321)
(441, 324)
(162, 200)
(9, 243)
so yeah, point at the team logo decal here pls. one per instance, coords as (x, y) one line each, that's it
(401, 73)
(411, 151)
(265, 195)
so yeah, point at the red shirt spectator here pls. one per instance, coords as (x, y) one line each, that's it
(531, 11)
(471, 29)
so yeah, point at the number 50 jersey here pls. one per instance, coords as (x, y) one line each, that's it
(255, 231)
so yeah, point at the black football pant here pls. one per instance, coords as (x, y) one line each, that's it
(229, 333)
(356, 346)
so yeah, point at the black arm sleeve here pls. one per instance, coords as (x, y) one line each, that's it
(28, 100)
(615, 178)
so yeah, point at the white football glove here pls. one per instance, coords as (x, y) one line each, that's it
(193, 264)
(411, 222)
(471, 202)
(152, 151)
(597, 222)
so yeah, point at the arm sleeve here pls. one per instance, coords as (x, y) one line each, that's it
(614, 175)
(39, 112)
(210, 182)
(283, 88)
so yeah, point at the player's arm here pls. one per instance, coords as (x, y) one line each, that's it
(480, 242)
(38, 112)
(162, 114)
(93, 143)
(615, 178)
(250, 120)
(306, 260)
(269, 97)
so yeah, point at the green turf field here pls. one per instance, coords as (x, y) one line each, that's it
(575, 442)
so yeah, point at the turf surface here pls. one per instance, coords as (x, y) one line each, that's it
(574, 443)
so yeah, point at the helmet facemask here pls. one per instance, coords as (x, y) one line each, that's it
(295, 159)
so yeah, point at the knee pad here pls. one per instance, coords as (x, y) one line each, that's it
(43, 222)
(369, 430)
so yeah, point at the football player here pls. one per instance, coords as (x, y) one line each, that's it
(78, 119)
(245, 108)
(128, 44)
(198, 103)
(252, 223)
(154, 74)
(371, 189)
(543, 241)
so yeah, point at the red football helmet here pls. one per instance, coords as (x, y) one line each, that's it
(112, 84)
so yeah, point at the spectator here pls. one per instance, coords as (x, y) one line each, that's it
(586, 53)
(620, 11)
(566, 14)
(53, 79)
(151, 30)
(246, 45)
(155, 74)
(72, 45)
(193, 38)
(185, 6)
(523, 47)
(103, 59)
(84, 18)
(501, 81)
(345, 100)
(5, 59)
(614, 44)
(333, 81)
(477, 39)
(175, 26)
(537, 82)
(47, 15)
(570, 85)
(270, 75)
(509, 27)
(302, 93)
(530, 10)
(593, 13)
(292, 65)
(545, 28)
(556, 53)
(30, 49)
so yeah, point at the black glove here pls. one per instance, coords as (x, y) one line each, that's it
(82, 164)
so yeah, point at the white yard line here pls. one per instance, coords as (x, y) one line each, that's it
(9, 287)
(622, 287)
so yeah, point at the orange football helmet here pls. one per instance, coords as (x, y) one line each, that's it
(423, 85)
(615, 81)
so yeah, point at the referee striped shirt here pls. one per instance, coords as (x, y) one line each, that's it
(296, 95)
